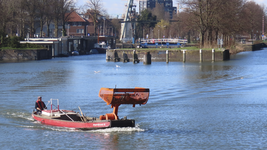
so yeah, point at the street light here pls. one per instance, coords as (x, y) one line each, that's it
(86, 30)
(68, 29)
(158, 31)
(164, 31)
(104, 25)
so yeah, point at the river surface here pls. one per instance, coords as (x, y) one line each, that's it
(220, 105)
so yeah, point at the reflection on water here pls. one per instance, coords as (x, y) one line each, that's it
(219, 105)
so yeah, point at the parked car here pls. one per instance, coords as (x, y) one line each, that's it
(94, 51)
(75, 53)
(141, 46)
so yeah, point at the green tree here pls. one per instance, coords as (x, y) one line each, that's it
(146, 21)
(161, 27)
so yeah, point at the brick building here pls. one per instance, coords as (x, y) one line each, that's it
(83, 25)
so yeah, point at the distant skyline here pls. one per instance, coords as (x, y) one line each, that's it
(117, 7)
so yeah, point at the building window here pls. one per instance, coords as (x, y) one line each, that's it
(80, 31)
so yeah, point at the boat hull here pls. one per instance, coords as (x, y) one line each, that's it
(88, 125)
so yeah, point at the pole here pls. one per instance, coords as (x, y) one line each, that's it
(213, 55)
(104, 26)
(184, 55)
(200, 55)
(167, 56)
(262, 27)
(68, 29)
(82, 118)
(86, 30)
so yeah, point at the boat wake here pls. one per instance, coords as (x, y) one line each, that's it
(107, 130)
(118, 129)
(20, 115)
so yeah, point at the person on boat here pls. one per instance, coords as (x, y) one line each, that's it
(40, 105)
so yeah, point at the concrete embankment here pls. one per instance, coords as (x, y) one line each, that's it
(24, 55)
(258, 46)
(166, 55)
(248, 47)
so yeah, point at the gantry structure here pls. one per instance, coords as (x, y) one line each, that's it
(128, 26)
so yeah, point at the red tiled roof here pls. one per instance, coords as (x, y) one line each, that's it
(74, 17)
(90, 20)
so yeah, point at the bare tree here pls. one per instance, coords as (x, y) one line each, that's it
(160, 12)
(214, 16)
(7, 13)
(48, 15)
(41, 14)
(30, 8)
(65, 7)
(252, 15)
(117, 27)
(95, 7)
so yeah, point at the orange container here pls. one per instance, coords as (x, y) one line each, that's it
(102, 117)
(110, 117)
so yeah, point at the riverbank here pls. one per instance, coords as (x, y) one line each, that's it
(168, 55)
(24, 54)
(247, 47)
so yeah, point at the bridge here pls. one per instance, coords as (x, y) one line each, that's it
(165, 42)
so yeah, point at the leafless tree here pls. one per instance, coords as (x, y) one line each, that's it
(41, 4)
(30, 8)
(8, 13)
(160, 12)
(117, 26)
(212, 17)
(48, 15)
(65, 7)
(95, 8)
(252, 17)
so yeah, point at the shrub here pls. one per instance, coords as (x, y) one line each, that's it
(14, 42)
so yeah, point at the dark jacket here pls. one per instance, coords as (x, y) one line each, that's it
(40, 104)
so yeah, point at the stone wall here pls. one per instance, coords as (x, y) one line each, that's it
(174, 55)
(23, 55)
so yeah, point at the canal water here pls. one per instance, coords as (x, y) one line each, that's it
(220, 105)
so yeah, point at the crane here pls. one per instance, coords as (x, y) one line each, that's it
(127, 30)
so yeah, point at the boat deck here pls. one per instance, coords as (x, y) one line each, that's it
(66, 116)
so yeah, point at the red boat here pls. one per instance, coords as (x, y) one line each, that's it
(114, 97)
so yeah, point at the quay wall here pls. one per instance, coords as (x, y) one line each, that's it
(258, 46)
(168, 56)
(248, 47)
(24, 55)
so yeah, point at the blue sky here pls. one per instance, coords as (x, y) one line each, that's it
(113, 7)
(117, 7)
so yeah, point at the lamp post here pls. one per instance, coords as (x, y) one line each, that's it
(164, 31)
(68, 29)
(104, 25)
(86, 30)
(152, 34)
